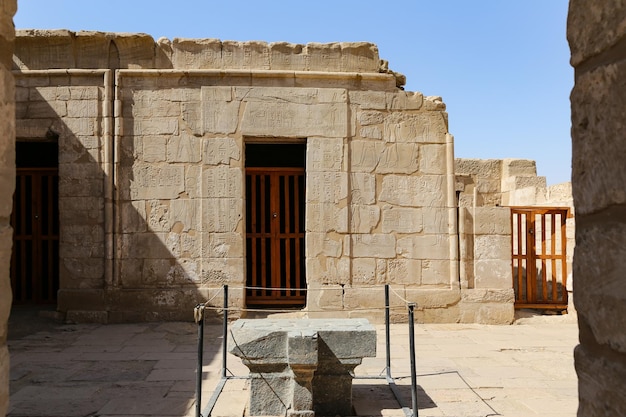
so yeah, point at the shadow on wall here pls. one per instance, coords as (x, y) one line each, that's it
(543, 292)
(120, 255)
(131, 275)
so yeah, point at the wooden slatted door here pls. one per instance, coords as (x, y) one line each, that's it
(35, 222)
(539, 257)
(275, 237)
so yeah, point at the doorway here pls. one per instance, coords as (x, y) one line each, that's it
(35, 222)
(539, 244)
(275, 213)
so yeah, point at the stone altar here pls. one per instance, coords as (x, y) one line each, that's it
(302, 367)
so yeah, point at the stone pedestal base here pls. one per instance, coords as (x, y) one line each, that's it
(302, 367)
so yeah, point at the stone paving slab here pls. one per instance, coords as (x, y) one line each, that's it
(148, 369)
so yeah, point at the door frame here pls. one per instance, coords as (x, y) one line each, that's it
(286, 269)
(539, 249)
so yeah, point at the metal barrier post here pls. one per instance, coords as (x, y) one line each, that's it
(225, 333)
(412, 357)
(199, 317)
(387, 333)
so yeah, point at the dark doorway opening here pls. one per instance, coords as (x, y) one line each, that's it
(35, 222)
(275, 222)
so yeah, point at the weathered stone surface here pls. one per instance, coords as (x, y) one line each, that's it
(596, 160)
(594, 27)
(301, 367)
(401, 220)
(415, 191)
(378, 166)
(7, 186)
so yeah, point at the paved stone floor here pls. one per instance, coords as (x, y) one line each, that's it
(148, 369)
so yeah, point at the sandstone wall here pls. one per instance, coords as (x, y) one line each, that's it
(486, 189)
(7, 185)
(152, 139)
(597, 35)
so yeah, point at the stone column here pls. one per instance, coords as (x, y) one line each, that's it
(7, 184)
(597, 36)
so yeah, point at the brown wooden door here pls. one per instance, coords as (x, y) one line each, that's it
(35, 222)
(275, 236)
(539, 257)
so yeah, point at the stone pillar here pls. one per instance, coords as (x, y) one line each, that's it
(7, 184)
(597, 36)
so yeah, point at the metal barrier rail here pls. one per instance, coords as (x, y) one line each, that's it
(199, 318)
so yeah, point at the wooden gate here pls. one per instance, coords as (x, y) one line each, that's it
(539, 257)
(275, 237)
(35, 222)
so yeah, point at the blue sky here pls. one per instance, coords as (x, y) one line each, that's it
(501, 66)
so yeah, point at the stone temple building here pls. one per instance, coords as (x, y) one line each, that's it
(303, 176)
(595, 33)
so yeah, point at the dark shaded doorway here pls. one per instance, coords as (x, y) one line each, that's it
(275, 210)
(35, 222)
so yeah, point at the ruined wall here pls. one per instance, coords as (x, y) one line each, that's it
(7, 185)
(152, 139)
(486, 189)
(597, 35)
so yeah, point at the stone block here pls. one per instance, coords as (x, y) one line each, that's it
(399, 158)
(518, 182)
(325, 297)
(404, 271)
(294, 120)
(222, 245)
(433, 298)
(598, 275)
(405, 100)
(323, 244)
(327, 187)
(196, 53)
(245, 55)
(222, 182)
(143, 245)
(219, 151)
(594, 27)
(328, 271)
(364, 271)
(363, 219)
(222, 214)
(368, 100)
(153, 148)
(432, 159)
(492, 247)
(518, 168)
(362, 188)
(158, 182)
(414, 191)
(220, 114)
(435, 220)
(220, 271)
(401, 220)
(288, 56)
(599, 379)
(42, 49)
(327, 217)
(306, 363)
(597, 168)
(325, 154)
(493, 273)
(359, 57)
(487, 313)
(373, 246)
(422, 127)
(435, 272)
(365, 155)
(492, 221)
(424, 247)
